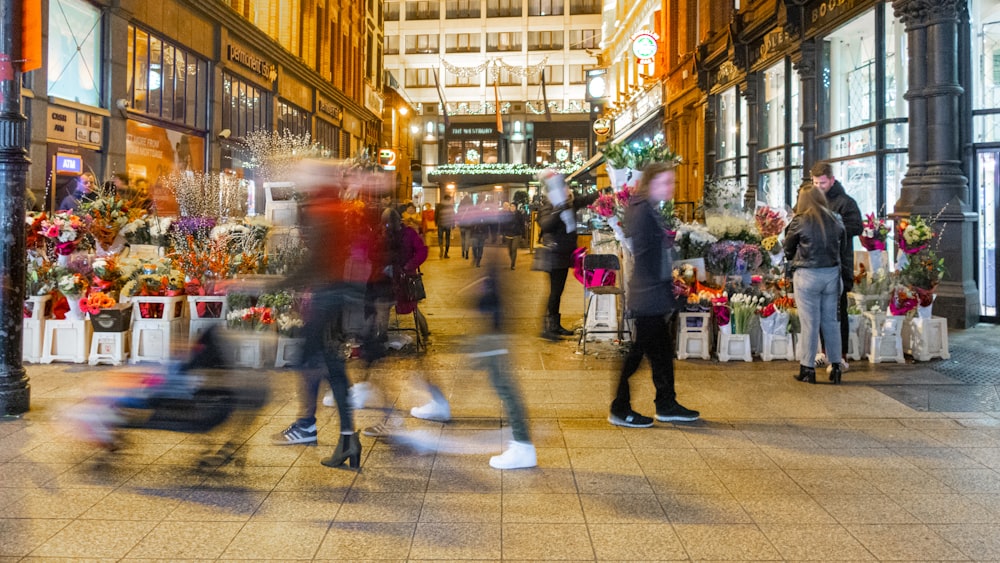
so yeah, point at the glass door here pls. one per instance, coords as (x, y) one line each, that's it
(988, 174)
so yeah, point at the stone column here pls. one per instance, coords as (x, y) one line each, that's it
(14, 388)
(935, 184)
(752, 121)
(804, 62)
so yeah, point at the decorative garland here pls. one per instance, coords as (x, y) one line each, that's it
(494, 66)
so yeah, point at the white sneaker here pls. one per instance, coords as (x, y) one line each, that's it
(519, 455)
(438, 411)
(328, 399)
(844, 366)
(821, 359)
(358, 395)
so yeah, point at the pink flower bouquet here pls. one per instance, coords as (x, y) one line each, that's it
(874, 233)
(64, 230)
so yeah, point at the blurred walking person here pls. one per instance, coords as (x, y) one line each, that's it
(444, 214)
(650, 302)
(333, 227)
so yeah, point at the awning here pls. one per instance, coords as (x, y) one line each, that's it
(591, 164)
(639, 126)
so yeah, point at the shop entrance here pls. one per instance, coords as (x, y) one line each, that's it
(988, 188)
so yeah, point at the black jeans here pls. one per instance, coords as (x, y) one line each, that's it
(444, 239)
(557, 282)
(652, 340)
(326, 310)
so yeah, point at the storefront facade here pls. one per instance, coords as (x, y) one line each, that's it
(838, 81)
(195, 78)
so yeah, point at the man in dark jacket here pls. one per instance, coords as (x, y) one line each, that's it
(556, 254)
(650, 302)
(845, 206)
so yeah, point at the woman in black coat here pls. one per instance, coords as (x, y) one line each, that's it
(558, 244)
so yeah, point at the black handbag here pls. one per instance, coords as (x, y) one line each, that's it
(413, 287)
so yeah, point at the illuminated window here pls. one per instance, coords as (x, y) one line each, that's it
(74, 53)
(166, 82)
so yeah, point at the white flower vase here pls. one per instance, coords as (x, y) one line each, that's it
(876, 258)
(75, 313)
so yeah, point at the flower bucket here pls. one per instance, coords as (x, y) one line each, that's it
(75, 312)
(925, 312)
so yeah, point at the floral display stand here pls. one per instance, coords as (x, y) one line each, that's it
(694, 338)
(886, 341)
(156, 324)
(206, 311)
(929, 338)
(734, 346)
(37, 310)
(855, 339)
(777, 347)
(109, 347)
(289, 351)
(252, 349)
(280, 207)
(66, 341)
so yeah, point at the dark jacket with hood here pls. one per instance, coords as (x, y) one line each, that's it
(651, 284)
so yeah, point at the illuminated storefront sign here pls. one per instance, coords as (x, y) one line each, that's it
(645, 44)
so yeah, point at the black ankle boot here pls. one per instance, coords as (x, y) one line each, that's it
(549, 332)
(558, 328)
(348, 449)
(806, 374)
(835, 374)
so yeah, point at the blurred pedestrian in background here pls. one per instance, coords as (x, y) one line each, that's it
(512, 228)
(558, 232)
(444, 215)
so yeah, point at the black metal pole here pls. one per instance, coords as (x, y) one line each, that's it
(14, 387)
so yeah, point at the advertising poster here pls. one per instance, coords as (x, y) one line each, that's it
(152, 152)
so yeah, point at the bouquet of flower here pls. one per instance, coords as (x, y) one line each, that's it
(605, 205)
(902, 300)
(923, 270)
(39, 276)
(743, 308)
(250, 318)
(874, 233)
(774, 315)
(723, 195)
(72, 285)
(107, 277)
(109, 213)
(147, 229)
(201, 258)
(728, 257)
(693, 240)
(720, 309)
(279, 301)
(913, 234)
(94, 302)
(65, 230)
(33, 225)
(290, 324)
(770, 222)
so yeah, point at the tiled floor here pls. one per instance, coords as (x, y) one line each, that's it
(776, 470)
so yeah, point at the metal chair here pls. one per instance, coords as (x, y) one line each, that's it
(591, 264)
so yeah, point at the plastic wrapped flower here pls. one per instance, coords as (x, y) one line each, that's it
(913, 234)
(604, 206)
(770, 222)
(874, 233)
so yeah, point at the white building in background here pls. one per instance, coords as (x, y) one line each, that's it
(480, 50)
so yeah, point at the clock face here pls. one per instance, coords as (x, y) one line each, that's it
(597, 87)
(562, 155)
(644, 46)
